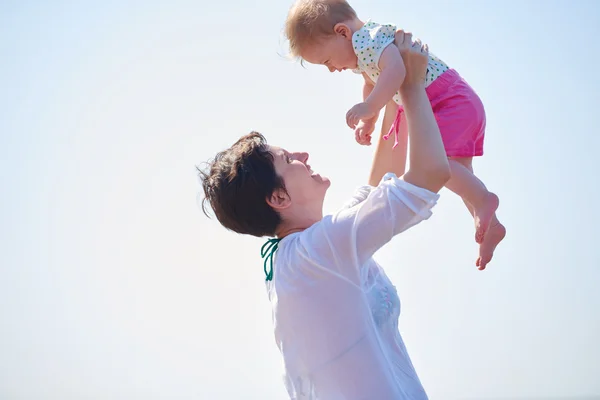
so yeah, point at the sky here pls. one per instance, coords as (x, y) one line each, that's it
(114, 285)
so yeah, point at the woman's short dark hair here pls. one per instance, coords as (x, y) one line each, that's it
(237, 183)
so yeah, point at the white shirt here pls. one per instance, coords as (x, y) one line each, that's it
(335, 311)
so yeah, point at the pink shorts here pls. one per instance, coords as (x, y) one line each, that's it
(459, 113)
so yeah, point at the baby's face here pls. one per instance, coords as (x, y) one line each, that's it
(335, 52)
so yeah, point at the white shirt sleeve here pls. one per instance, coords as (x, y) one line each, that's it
(359, 196)
(350, 237)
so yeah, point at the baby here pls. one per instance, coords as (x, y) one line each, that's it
(328, 32)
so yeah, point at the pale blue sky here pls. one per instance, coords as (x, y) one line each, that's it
(115, 286)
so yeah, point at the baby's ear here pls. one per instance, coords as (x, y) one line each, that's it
(342, 30)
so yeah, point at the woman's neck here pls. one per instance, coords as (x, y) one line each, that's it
(286, 229)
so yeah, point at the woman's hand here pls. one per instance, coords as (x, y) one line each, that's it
(415, 56)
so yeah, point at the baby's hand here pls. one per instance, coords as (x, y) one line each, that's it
(363, 132)
(361, 111)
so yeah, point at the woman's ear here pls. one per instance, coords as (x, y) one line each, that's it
(279, 200)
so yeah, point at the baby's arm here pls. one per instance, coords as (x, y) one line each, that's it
(367, 87)
(366, 126)
(367, 90)
(390, 79)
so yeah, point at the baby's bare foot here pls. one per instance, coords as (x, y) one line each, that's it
(486, 250)
(483, 216)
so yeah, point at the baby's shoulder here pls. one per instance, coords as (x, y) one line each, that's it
(373, 36)
(370, 40)
(374, 30)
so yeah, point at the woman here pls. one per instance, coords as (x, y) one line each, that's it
(335, 311)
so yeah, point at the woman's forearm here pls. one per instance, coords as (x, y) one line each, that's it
(428, 163)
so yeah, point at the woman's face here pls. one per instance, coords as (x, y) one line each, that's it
(305, 187)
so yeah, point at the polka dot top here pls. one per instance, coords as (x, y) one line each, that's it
(370, 41)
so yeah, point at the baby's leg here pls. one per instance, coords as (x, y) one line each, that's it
(496, 231)
(464, 183)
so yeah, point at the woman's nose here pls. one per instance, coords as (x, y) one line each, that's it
(303, 157)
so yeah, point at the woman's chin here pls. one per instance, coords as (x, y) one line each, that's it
(319, 178)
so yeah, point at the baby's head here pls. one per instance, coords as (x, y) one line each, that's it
(320, 32)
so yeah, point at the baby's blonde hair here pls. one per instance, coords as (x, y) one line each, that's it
(310, 20)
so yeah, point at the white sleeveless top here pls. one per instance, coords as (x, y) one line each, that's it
(370, 41)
